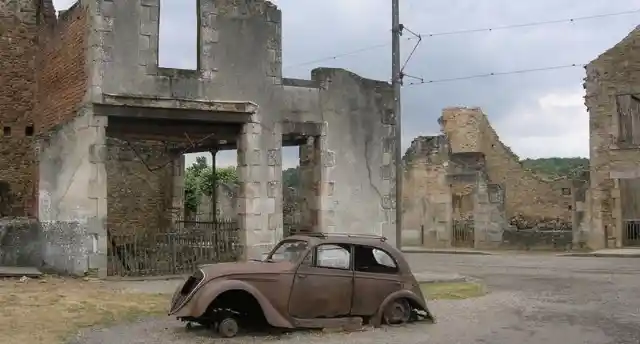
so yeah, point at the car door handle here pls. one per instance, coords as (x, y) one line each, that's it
(301, 276)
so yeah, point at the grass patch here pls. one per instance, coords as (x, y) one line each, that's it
(452, 291)
(49, 310)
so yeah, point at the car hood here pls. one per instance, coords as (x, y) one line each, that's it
(252, 267)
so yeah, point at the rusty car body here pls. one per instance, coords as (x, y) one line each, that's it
(307, 281)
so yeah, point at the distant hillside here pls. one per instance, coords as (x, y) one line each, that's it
(556, 167)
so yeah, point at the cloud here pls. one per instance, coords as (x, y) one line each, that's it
(558, 125)
(317, 29)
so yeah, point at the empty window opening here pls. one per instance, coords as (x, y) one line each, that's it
(373, 260)
(178, 35)
(333, 256)
(628, 109)
(291, 193)
(28, 131)
(6, 131)
(211, 186)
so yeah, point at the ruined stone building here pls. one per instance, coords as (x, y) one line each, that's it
(612, 205)
(465, 187)
(95, 131)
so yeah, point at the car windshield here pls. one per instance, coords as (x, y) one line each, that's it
(288, 251)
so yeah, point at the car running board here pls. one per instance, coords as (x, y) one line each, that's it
(344, 322)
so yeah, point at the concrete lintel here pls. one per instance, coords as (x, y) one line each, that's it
(144, 111)
(180, 103)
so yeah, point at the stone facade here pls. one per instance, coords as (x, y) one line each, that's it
(468, 176)
(529, 200)
(112, 126)
(612, 88)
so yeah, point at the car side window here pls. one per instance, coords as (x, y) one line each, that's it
(333, 257)
(370, 259)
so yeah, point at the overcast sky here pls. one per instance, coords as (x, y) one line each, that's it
(537, 114)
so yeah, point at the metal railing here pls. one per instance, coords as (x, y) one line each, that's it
(189, 244)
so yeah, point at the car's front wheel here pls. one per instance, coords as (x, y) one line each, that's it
(398, 312)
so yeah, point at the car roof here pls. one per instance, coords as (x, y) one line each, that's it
(346, 238)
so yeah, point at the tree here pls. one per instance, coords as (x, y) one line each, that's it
(557, 167)
(291, 178)
(191, 183)
(199, 179)
(225, 175)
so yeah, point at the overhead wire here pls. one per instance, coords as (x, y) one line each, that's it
(421, 81)
(467, 31)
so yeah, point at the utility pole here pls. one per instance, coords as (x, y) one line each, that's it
(396, 81)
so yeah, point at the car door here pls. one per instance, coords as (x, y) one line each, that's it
(323, 284)
(376, 276)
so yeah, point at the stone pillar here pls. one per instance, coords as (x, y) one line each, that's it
(208, 37)
(260, 195)
(275, 223)
(310, 186)
(96, 242)
(177, 195)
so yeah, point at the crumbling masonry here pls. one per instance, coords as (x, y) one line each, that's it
(95, 130)
(468, 177)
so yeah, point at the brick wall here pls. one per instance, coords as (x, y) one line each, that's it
(18, 49)
(140, 187)
(61, 69)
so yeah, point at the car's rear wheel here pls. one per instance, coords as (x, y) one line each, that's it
(398, 312)
(228, 327)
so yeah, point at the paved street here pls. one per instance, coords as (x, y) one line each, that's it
(534, 299)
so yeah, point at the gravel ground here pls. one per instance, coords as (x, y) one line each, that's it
(534, 299)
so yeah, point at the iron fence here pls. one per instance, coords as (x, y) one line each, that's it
(463, 233)
(631, 232)
(180, 251)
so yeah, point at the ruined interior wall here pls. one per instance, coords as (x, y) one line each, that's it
(359, 127)
(139, 188)
(226, 204)
(427, 193)
(615, 72)
(239, 58)
(529, 199)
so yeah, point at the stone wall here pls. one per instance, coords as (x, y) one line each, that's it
(355, 148)
(72, 194)
(20, 242)
(427, 193)
(614, 73)
(530, 201)
(467, 177)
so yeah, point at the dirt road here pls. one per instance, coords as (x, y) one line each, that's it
(534, 299)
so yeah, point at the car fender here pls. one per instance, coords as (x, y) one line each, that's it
(208, 292)
(405, 294)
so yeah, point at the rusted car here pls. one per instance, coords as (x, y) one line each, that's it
(307, 281)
